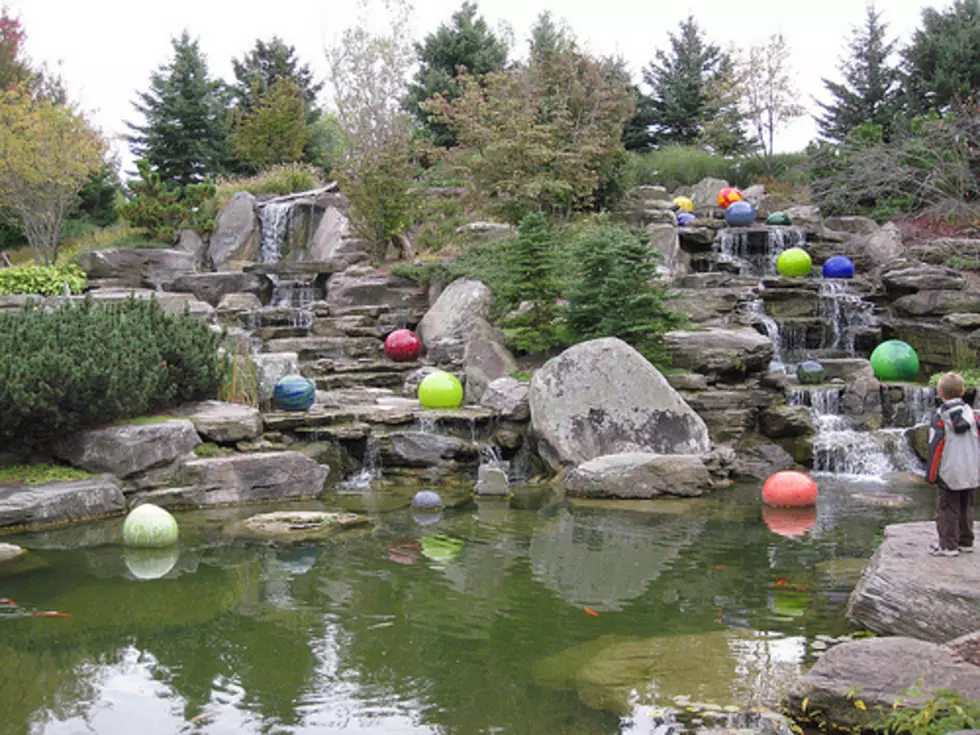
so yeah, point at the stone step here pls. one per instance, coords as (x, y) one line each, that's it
(317, 348)
(398, 412)
(354, 380)
(327, 366)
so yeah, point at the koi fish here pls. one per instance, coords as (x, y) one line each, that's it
(589, 611)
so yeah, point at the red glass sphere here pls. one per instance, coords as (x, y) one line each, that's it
(403, 345)
(789, 489)
(789, 521)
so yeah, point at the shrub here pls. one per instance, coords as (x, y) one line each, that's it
(44, 280)
(286, 178)
(161, 209)
(945, 712)
(674, 166)
(89, 364)
(971, 377)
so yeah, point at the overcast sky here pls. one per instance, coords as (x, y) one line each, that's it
(106, 49)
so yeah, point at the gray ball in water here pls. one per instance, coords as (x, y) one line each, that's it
(427, 500)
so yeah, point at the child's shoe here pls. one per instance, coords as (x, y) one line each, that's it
(966, 549)
(935, 550)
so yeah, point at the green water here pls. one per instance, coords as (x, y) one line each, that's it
(474, 624)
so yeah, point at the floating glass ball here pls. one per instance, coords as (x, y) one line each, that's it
(839, 266)
(789, 521)
(427, 500)
(779, 219)
(794, 263)
(728, 196)
(149, 527)
(810, 372)
(895, 360)
(740, 214)
(294, 393)
(684, 204)
(403, 345)
(685, 218)
(789, 489)
(440, 390)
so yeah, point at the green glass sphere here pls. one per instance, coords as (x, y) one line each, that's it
(810, 372)
(895, 360)
(440, 390)
(779, 218)
(148, 526)
(794, 263)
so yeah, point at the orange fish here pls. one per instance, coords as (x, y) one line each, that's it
(50, 614)
(589, 611)
(5, 601)
(719, 566)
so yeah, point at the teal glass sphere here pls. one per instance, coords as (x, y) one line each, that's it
(294, 393)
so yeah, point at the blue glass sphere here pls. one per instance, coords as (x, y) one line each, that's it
(839, 266)
(740, 214)
(426, 500)
(293, 393)
(685, 218)
(810, 372)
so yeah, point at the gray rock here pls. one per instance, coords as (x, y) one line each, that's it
(905, 591)
(706, 305)
(9, 552)
(299, 525)
(687, 381)
(884, 247)
(696, 239)
(963, 321)
(333, 228)
(485, 359)
(487, 231)
(190, 242)
(759, 462)
(213, 287)
(603, 397)
(235, 240)
(270, 368)
(248, 478)
(803, 214)
(705, 192)
(638, 475)
(137, 267)
(674, 262)
(235, 304)
(649, 194)
(878, 672)
(492, 481)
(922, 278)
(348, 293)
(729, 354)
(935, 303)
(758, 197)
(509, 396)
(918, 439)
(412, 380)
(172, 303)
(60, 502)
(16, 302)
(461, 303)
(422, 449)
(126, 449)
(729, 414)
(846, 368)
(781, 422)
(224, 423)
(852, 225)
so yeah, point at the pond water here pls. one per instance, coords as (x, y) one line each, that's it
(571, 618)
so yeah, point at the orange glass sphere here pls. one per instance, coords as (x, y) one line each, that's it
(789, 521)
(727, 196)
(789, 489)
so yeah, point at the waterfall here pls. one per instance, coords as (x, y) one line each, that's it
(274, 221)
(844, 311)
(742, 248)
(426, 423)
(756, 311)
(920, 402)
(371, 469)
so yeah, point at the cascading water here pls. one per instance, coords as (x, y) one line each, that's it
(844, 312)
(371, 468)
(920, 402)
(753, 256)
(755, 310)
(274, 222)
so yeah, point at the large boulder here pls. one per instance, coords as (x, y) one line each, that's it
(351, 291)
(423, 449)
(223, 423)
(781, 422)
(248, 478)
(460, 304)
(705, 192)
(270, 368)
(878, 673)
(728, 354)
(213, 287)
(905, 591)
(922, 278)
(485, 359)
(603, 397)
(638, 475)
(936, 303)
(60, 502)
(332, 229)
(127, 449)
(673, 261)
(884, 246)
(137, 267)
(509, 396)
(235, 241)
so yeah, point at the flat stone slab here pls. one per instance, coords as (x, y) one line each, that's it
(877, 673)
(60, 502)
(905, 591)
(222, 422)
(249, 478)
(638, 475)
(126, 449)
(301, 525)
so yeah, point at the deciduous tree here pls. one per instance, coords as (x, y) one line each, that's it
(275, 130)
(771, 96)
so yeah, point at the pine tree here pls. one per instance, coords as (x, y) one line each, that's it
(549, 36)
(942, 64)
(258, 71)
(869, 90)
(275, 131)
(184, 137)
(466, 44)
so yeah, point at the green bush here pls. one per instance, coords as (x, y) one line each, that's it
(286, 178)
(89, 364)
(161, 209)
(675, 166)
(44, 280)
(971, 377)
(945, 712)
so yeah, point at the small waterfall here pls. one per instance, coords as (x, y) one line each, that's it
(844, 311)
(274, 222)
(743, 249)
(756, 311)
(920, 403)
(291, 292)
(426, 423)
(371, 469)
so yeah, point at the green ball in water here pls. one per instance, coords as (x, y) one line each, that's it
(794, 263)
(440, 390)
(149, 527)
(895, 360)
(151, 563)
(810, 372)
(779, 218)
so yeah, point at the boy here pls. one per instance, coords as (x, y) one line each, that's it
(954, 467)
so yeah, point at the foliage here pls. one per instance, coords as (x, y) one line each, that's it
(161, 209)
(940, 64)
(971, 377)
(14, 70)
(239, 378)
(286, 178)
(770, 93)
(46, 280)
(541, 137)
(723, 128)
(465, 45)
(946, 711)
(327, 143)
(368, 72)
(257, 72)
(98, 198)
(675, 166)
(48, 151)
(183, 137)
(88, 364)
(40, 473)
(437, 221)
(617, 291)
(274, 130)
(869, 90)
(209, 450)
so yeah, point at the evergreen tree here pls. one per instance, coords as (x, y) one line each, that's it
(868, 92)
(184, 136)
(275, 131)
(680, 81)
(466, 44)
(549, 36)
(258, 71)
(942, 64)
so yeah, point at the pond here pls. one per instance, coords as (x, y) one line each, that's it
(583, 617)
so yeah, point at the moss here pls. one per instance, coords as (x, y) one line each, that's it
(523, 376)
(146, 420)
(40, 474)
(209, 450)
